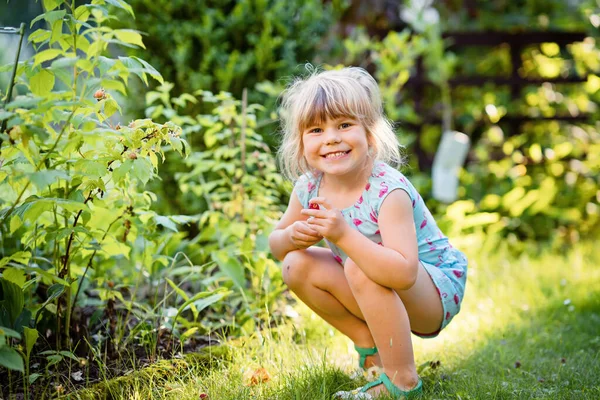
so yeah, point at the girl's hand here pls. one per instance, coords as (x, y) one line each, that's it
(303, 236)
(327, 221)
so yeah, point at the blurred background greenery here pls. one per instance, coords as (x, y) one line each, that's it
(521, 79)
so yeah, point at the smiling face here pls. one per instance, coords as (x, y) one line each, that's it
(337, 146)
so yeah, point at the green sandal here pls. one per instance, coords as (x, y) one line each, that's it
(395, 391)
(363, 352)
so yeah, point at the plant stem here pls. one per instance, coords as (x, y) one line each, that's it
(89, 264)
(66, 273)
(243, 150)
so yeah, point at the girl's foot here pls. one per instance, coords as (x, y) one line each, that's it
(383, 386)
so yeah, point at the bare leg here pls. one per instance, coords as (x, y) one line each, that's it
(390, 320)
(319, 281)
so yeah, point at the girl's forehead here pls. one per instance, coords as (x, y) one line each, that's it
(326, 101)
(320, 115)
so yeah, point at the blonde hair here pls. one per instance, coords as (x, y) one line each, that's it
(350, 92)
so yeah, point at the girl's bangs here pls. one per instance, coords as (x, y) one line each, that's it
(333, 102)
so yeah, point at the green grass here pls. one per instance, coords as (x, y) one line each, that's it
(542, 314)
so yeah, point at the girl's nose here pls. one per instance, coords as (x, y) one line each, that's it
(332, 135)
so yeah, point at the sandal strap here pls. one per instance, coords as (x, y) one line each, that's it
(363, 352)
(396, 391)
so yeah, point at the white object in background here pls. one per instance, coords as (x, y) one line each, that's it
(448, 160)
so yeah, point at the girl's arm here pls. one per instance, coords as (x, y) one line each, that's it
(395, 264)
(292, 232)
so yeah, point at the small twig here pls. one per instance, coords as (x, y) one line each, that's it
(243, 149)
(73, 233)
(89, 264)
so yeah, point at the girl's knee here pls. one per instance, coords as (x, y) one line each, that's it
(354, 275)
(296, 267)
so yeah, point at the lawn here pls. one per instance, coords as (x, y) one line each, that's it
(529, 329)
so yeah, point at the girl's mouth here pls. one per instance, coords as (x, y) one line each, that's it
(336, 155)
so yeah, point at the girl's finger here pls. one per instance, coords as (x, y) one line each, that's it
(306, 238)
(314, 213)
(322, 202)
(306, 229)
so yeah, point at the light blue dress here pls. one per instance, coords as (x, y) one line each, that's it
(446, 265)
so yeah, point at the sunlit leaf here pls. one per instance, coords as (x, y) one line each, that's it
(31, 336)
(41, 84)
(129, 36)
(231, 266)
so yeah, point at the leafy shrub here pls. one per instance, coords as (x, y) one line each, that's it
(234, 44)
(74, 214)
(235, 179)
(537, 183)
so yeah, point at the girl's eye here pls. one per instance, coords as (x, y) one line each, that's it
(345, 125)
(315, 130)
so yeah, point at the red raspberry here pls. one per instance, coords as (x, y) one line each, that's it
(100, 94)
(313, 206)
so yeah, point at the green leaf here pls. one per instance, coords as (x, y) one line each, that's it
(122, 170)
(42, 179)
(46, 55)
(142, 170)
(111, 107)
(53, 292)
(111, 84)
(82, 13)
(183, 295)
(39, 35)
(111, 247)
(121, 4)
(9, 332)
(151, 70)
(68, 205)
(94, 169)
(178, 289)
(50, 5)
(10, 358)
(69, 355)
(207, 301)
(213, 296)
(57, 32)
(15, 223)
(21, 257)
(129, 36)
(50, 16)
(33, 378)
(41, 84)
(64, 62)
(5, 114)
(31, 336)
(231, 266)
(49, 276)
(14, 275)
(166, 222)
(188, 333)
(13, 299)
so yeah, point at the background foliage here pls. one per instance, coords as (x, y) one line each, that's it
(142, 239)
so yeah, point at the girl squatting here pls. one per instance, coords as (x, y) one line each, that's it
(388, 270)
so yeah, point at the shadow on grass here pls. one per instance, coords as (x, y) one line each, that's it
(556, 355)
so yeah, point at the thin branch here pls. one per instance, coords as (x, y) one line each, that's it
(89, 264)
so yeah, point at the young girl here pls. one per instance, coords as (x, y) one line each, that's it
(389, 270)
